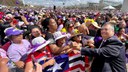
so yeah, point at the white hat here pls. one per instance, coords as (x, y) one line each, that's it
(58, 35)
(38, 43)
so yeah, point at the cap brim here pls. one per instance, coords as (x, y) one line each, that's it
(16, 33)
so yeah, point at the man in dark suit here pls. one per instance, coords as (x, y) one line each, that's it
(110, 56)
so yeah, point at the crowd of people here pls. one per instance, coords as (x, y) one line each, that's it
(28, 35)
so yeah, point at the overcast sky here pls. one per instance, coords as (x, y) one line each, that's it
(60, 2)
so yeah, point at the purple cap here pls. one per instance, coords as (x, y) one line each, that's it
(12, 31)
(59, 16)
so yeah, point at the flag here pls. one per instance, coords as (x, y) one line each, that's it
(67, 63)
(61, 64)
(76, 63)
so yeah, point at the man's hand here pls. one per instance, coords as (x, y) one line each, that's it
(90, 43)
(20, 64)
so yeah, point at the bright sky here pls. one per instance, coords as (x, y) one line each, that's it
(60, 2)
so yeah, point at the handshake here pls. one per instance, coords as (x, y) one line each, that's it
(77, 46)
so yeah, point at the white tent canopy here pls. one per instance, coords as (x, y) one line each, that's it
(125, 6)
(109, 7)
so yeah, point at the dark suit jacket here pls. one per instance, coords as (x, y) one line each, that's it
(109, 58)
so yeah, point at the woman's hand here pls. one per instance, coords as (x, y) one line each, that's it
(48, 63)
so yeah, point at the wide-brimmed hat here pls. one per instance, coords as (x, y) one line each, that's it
(58, 35)
(74, 33)
(95, 24)
(39, 43)
(12, 31)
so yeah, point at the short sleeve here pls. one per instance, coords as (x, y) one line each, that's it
(3, 53)
(13, 54)
(29, 58)
(49, 36)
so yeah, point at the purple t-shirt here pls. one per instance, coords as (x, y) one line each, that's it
(16, 51)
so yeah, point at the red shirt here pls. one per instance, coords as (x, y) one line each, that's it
(39, 54)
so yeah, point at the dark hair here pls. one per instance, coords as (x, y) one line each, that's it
(35, 26)
(98, 33)
(72, 39)
(28, 35)
(67, 23)
(45, 24)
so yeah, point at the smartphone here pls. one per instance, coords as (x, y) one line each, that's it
(33, 61)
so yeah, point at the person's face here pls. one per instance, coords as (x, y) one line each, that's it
(17, 38)
(122, 25)
(61, 41)
(77, 38)
(107, 31)
(59, 21)
(122, 31)
(52, 24)
(36, 32)
(71, 27)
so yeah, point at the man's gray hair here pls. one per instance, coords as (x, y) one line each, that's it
(109, 23)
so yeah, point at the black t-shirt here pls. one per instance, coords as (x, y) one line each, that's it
(48, 36)
(92, 33)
